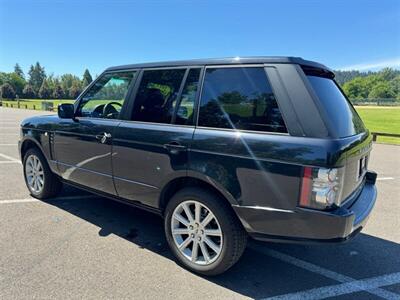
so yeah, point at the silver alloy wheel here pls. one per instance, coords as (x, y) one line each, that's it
(34, 174)
(196, 232)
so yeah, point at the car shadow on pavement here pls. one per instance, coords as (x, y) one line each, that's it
(257, 274)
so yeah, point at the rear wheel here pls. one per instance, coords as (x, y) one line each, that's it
(203, 232)
(41, 182)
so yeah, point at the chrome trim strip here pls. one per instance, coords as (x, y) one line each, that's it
(264, 208)
(136, 182)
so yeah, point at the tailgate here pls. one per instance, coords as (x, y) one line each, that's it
(357, 151)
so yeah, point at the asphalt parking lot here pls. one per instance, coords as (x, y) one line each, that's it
(83, 246)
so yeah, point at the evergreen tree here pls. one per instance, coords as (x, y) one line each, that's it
(74, 91)
(18, 71)
(87, 78)
(28, 92)
(7, 91)
(58, 92)
(44, 91)
(36, 76)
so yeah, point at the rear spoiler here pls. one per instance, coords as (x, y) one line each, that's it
(318, 72)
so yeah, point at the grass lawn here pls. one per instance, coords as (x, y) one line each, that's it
(381, 119)
(35, 103)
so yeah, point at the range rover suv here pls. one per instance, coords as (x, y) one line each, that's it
(223, 149)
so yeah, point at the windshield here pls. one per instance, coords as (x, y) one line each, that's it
(343, 117)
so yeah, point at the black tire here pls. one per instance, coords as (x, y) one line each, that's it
(233, 233)
(52, 184)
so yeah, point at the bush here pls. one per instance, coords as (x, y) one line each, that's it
(7, 91)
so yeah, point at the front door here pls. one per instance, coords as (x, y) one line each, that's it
(83, 146)
(151, 148)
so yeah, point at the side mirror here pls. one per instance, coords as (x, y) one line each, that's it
(65, 111)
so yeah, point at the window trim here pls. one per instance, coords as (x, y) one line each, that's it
(179, 100)
(78, 101)
(179, 96)
(232, 129)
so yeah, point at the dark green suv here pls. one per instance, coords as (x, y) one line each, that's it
(223, 149)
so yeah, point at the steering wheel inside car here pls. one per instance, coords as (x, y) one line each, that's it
(109, 111)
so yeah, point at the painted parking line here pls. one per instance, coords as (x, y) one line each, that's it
(345, 288)
(10, 158)
(10, 162)
(15, 144)
(323, 271)
(27, 200)
(385, 178)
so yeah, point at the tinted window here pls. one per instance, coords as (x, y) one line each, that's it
(342, 115)
(185, 111)
(157, 95)
(239, 98)
(105, 98)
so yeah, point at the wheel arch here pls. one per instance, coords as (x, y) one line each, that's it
(173, 186)
(29, 143)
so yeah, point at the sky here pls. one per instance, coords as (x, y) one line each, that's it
(67, 36)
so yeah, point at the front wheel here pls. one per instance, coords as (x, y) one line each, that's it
(203, 232)
(40, 180)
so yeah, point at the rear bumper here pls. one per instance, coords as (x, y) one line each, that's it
(306, 225)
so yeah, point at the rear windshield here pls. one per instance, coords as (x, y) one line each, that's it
(342, 116)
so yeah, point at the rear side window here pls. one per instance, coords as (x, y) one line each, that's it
(157, 95)
(239, 98)
(341, 114)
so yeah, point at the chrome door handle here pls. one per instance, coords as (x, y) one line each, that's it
(103, 137)
(175, 147)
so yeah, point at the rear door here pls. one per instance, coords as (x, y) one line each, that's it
(241, 144)
(83, 146)
(151, 147)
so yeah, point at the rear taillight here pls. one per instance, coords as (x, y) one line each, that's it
(321, 188)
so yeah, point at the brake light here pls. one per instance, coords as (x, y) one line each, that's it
(321, 188)
(306, 187)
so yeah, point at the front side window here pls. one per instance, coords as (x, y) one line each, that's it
(105, 98)
(239, 98)
(157, 95)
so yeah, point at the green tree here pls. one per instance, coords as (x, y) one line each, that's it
(17, 82)
(28, 92)
(74, 91)
(7, 91)
(14, 80)
(69, 80)
(58, 92)
(234, 97)
(87, 78)
(18, 71)
(387, 74)
(356, 88)
(395, 84)
(37, 75)
(382, 90)
(44, 91)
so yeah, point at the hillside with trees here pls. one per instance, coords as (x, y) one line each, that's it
(381, 85)
(358, 86)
